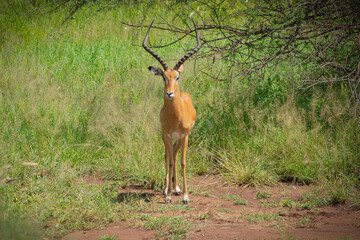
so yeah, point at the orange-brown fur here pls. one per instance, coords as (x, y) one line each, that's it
(177, 118)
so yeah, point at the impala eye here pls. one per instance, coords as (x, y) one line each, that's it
(177, 79)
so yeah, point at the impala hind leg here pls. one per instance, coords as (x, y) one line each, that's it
(183, 165)
(176, 148)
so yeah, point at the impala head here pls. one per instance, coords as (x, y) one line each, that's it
(170, 76)
(171, 79)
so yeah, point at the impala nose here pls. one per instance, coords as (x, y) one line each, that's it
(170, 95)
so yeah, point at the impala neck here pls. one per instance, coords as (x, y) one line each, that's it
(173, 105)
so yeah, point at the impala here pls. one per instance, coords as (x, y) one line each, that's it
(177, 117)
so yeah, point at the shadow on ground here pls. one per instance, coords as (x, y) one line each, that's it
(130, 196)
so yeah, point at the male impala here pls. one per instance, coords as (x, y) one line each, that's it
(177, 117)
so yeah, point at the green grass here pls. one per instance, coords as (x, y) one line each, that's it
(170, 227)
(235, 198)
(83, 103)
(241, 202)
(108, 237)
(14, 225)
(287, 203)
(226, 210)
(263, 194)
(269, 203)
(204, 216)
(305, 222)
(330, 194)
(261, 216)
(230, 197)
(61, 205)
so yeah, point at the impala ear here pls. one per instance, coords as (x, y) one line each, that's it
(156, 71)
(181, 68)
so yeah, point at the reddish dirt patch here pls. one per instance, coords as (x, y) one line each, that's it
(216, 216)
(115, 229)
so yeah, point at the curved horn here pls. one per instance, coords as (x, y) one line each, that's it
(154, 54)
(192, 52)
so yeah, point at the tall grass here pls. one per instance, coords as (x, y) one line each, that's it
(83, 103)
(14, 225)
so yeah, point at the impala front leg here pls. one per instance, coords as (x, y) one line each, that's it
(169, 167)
(176, 148)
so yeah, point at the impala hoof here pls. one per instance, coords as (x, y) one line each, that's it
(166, 193)
(168, 199)
(186, 199)
(177, 191)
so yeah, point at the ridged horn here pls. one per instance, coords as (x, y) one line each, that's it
(192, 52)
(154, 54)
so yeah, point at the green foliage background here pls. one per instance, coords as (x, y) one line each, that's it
(83, 103)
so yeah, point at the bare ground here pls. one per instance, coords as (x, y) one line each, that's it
(216, 215)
